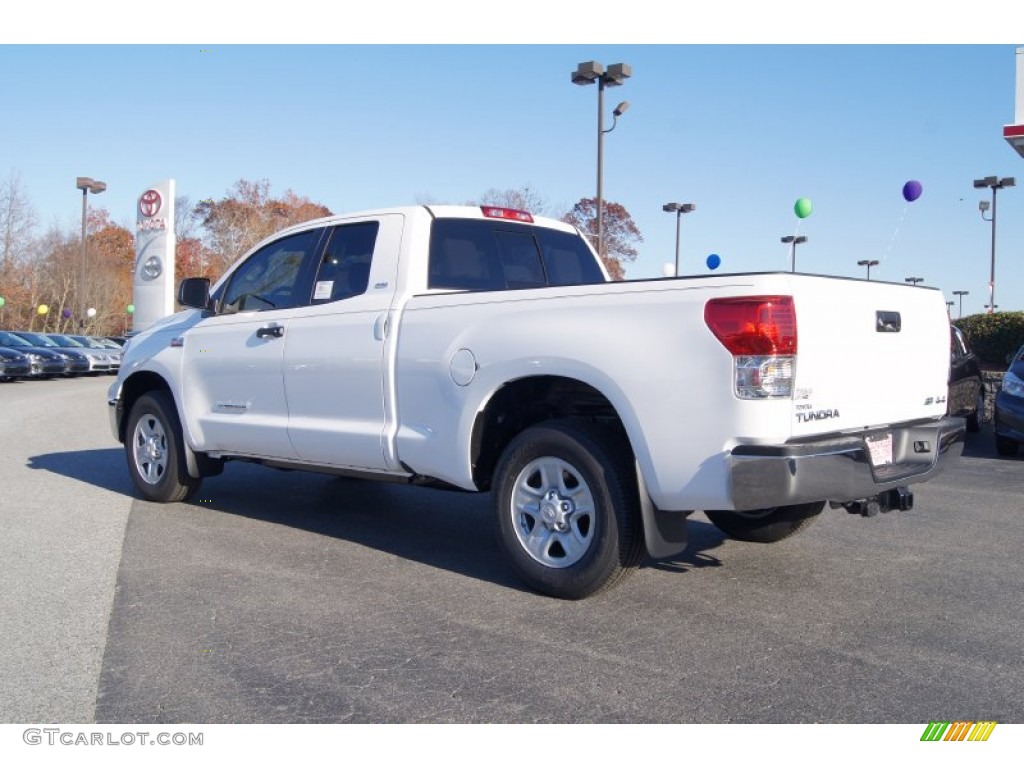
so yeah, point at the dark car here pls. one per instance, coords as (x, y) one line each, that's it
(99, 359)
(966, 396)
(43, 352)
(13, 364)
(1009, 418)
(45, 362)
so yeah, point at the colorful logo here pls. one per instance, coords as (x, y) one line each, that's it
(150, 202)
(961, 730)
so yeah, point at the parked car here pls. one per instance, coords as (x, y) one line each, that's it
(1009, 414)
(966, 396)
(13, 364)
(45, 362)
(99, 360)
(112, 351)
(41, 348)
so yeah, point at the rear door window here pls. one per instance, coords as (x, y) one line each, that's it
(475, 255)
(344, 269)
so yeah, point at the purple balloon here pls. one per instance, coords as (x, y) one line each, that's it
(912, 190)
(65, 313)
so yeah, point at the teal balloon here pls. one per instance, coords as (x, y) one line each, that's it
(802, 208)
(714, 261)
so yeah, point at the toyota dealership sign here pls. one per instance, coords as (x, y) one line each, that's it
(153, 284)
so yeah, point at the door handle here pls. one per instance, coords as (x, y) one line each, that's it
(380, 327)
(274, 331)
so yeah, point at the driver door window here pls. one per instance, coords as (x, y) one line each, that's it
(270, 278)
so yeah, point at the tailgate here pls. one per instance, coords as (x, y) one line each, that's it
(869, 354)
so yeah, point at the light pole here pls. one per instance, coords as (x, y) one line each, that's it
(87, 185)
(869, 263)
(949, 308)
(594, 72)
(793, 242)
(913, 280)
(994, 183)
(961, 294)
(679, 209)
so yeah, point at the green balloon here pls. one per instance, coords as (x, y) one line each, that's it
(130, 309)
(802, 208)
(2, 302)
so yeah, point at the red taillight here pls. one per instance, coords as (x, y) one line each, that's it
(754, 325)
(511, 214)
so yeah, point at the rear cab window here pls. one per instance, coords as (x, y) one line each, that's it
(485, 255)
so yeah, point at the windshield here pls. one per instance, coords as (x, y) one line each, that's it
(65, 341)
(85, 341)
(10, 340)
(38, 339)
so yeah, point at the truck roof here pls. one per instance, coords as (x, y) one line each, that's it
(435, 211)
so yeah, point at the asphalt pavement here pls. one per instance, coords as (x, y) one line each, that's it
(292, 597)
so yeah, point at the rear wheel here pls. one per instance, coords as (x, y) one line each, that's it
(974, 419)
(766, 525)
(155, 451)
(567, 508)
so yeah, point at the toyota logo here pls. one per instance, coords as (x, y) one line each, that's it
(150, 202)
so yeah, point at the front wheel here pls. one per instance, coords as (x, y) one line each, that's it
(155, 451)
(766, 525)
(567, 508)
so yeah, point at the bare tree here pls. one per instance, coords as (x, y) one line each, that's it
(522, 199)
(17, 221)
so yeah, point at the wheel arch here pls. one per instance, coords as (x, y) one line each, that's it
(134, 387)
(519, 404)
(137, 385)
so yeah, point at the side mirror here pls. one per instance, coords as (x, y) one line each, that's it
(194, 292)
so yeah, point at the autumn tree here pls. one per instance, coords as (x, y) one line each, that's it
(111, 261)
(191, 257)
(619, 235)
(247, 214)
(54, 277)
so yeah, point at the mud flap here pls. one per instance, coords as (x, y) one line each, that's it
(664, 532)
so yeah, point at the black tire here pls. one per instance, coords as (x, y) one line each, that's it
(1005, 446)
(567, 491)
(154, 449)
(974, 418)
(766, 526)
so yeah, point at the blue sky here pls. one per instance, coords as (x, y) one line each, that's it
(742, 131)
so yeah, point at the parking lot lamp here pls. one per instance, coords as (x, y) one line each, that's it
(679, 209)
(87, 185)
(869, 263)
(961, 294)
(995, 184)
(586, 73)
(793, 242)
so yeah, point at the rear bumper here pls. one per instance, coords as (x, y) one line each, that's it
(1009, 416)
(839, 468)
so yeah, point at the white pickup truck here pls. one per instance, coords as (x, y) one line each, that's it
(484, 349)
